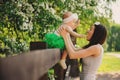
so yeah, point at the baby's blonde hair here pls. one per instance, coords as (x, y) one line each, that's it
(67, 14)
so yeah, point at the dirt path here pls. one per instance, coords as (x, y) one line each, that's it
(108, 76)
(116, 55)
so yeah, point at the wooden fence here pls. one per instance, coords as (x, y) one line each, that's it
(31, 65)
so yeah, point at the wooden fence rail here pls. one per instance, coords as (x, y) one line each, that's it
(28, 66)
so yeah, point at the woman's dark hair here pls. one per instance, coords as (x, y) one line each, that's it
(99, 35)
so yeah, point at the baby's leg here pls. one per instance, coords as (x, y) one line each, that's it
(63, 59)
(77, 78)
(64, 54)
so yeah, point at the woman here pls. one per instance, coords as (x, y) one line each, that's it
(91, 54)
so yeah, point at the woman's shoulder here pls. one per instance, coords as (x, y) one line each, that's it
(96, 46)
(96, 49)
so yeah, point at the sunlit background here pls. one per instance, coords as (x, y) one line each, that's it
(116, 11)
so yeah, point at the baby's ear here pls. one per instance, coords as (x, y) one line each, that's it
(78, 21)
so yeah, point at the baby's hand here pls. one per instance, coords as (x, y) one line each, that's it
(83, 36)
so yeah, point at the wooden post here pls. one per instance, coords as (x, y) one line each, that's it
(39, 46)
(2, 1)
(28, 66)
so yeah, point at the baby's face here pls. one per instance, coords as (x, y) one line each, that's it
(71, 20)
(75, 23)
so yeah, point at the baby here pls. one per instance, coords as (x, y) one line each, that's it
(54, 40)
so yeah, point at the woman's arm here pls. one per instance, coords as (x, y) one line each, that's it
(72, 44)
(91, 51)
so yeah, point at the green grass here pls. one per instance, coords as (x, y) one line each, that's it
(110, 63)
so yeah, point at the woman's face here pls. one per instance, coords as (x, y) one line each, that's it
(90, 33)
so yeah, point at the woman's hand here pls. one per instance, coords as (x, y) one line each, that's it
(62, 31)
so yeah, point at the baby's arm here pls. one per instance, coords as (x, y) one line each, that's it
(73, 33)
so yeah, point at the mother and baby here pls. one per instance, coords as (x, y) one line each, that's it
(91, 53)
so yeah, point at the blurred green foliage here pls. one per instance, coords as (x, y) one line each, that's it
(113, 38)
(23, 21)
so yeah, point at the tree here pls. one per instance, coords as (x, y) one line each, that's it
(113, 39)
(23, 21)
